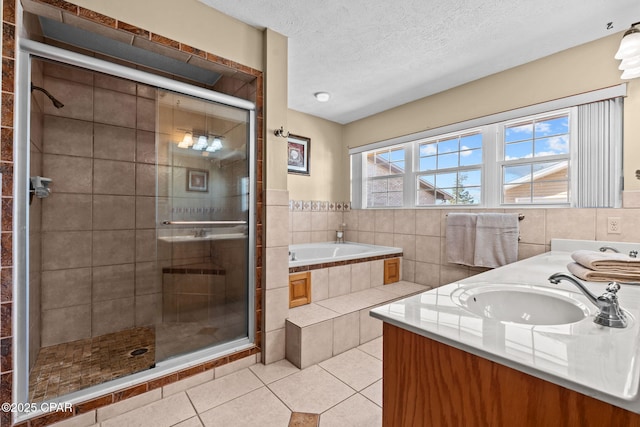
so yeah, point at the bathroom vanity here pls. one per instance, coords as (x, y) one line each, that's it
(446, 363)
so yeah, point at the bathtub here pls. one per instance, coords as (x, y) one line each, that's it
(324, 253)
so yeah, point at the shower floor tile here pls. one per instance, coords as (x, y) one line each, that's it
(64, 368)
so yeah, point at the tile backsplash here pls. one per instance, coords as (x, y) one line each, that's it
(421, 233)
(314, 221)
(318, 206)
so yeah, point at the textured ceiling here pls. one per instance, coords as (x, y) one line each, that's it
(372, 55)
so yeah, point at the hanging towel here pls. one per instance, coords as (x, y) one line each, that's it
(607, 261)
(496, 242)
(602, 276)
(461, 237)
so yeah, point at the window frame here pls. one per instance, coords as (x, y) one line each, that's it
(502, 163)
(369, 179)
(416, 171)
(490, 175)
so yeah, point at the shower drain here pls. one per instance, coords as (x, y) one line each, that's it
(139, 351)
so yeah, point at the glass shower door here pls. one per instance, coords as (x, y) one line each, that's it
(203, 177)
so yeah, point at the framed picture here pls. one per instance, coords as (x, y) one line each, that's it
(298, 154)
(197, 180)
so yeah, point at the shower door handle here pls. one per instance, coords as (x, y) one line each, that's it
(204, 222)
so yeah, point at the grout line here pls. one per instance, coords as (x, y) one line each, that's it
(193, 406)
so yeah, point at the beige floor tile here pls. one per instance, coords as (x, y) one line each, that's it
(354, 367)
(187, 383)
(374, 393)
(274, 371)
(357, 411)
(312, 390)
(84, 420)
(373, 347)
(166, 412)
(221, 390)
(191, 422)
(258, 408)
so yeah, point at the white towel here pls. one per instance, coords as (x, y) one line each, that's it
(461, 237)
(589, 275)
(607, 261)
(496, 241)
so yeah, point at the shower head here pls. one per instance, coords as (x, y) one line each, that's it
(55, 102)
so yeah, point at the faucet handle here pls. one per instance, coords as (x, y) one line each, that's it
(613, 287)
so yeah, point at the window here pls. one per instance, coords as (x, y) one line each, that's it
(535, 161)
(532, 156)
(385, 177)
(449, 170)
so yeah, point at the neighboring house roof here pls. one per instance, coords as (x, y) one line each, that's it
(423, 184)
(536, 175)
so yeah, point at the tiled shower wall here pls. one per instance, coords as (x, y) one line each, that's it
(238, 80)
(421, 235)
(98, 226)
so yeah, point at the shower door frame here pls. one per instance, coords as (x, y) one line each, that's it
(27, 50)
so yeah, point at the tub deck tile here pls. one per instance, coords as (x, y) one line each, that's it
(310, 314)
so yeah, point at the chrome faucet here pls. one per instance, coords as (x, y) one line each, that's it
(340, 233)
(610, 313)
(632, 254)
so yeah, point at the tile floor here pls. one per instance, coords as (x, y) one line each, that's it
(64, 368)
(67, 367)
(345, 390)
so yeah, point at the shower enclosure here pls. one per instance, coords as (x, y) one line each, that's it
(138, 224)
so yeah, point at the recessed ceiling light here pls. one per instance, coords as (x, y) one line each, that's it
(322, 96)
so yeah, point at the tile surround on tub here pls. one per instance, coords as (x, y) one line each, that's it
(341, 263)
(318, 206)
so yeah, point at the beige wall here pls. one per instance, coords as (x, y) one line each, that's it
(329, 160)
(275, 108)
(578, 70)
(190, 22)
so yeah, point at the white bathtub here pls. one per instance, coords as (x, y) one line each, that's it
(321, 253)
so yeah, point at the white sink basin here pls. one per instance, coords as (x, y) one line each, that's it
(520, 304)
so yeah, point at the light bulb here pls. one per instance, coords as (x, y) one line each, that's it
(201, 144)
(187, 140)
(216, 145)
(322, 96)
(629, 45)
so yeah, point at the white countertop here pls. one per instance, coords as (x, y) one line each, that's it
(597, 361)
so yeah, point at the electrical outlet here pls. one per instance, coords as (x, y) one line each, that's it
(613, 225)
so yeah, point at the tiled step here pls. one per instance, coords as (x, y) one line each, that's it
(320, 330)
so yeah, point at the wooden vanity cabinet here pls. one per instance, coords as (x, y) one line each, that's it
(427, 383)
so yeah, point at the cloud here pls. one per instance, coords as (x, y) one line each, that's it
(428, 149)
(466, 152)
(520, 129)
(559, 144)
(543, 127)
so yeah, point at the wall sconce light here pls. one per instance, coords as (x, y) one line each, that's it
(216, 145)
(629, 53)
(281, 132)
(206, 143)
